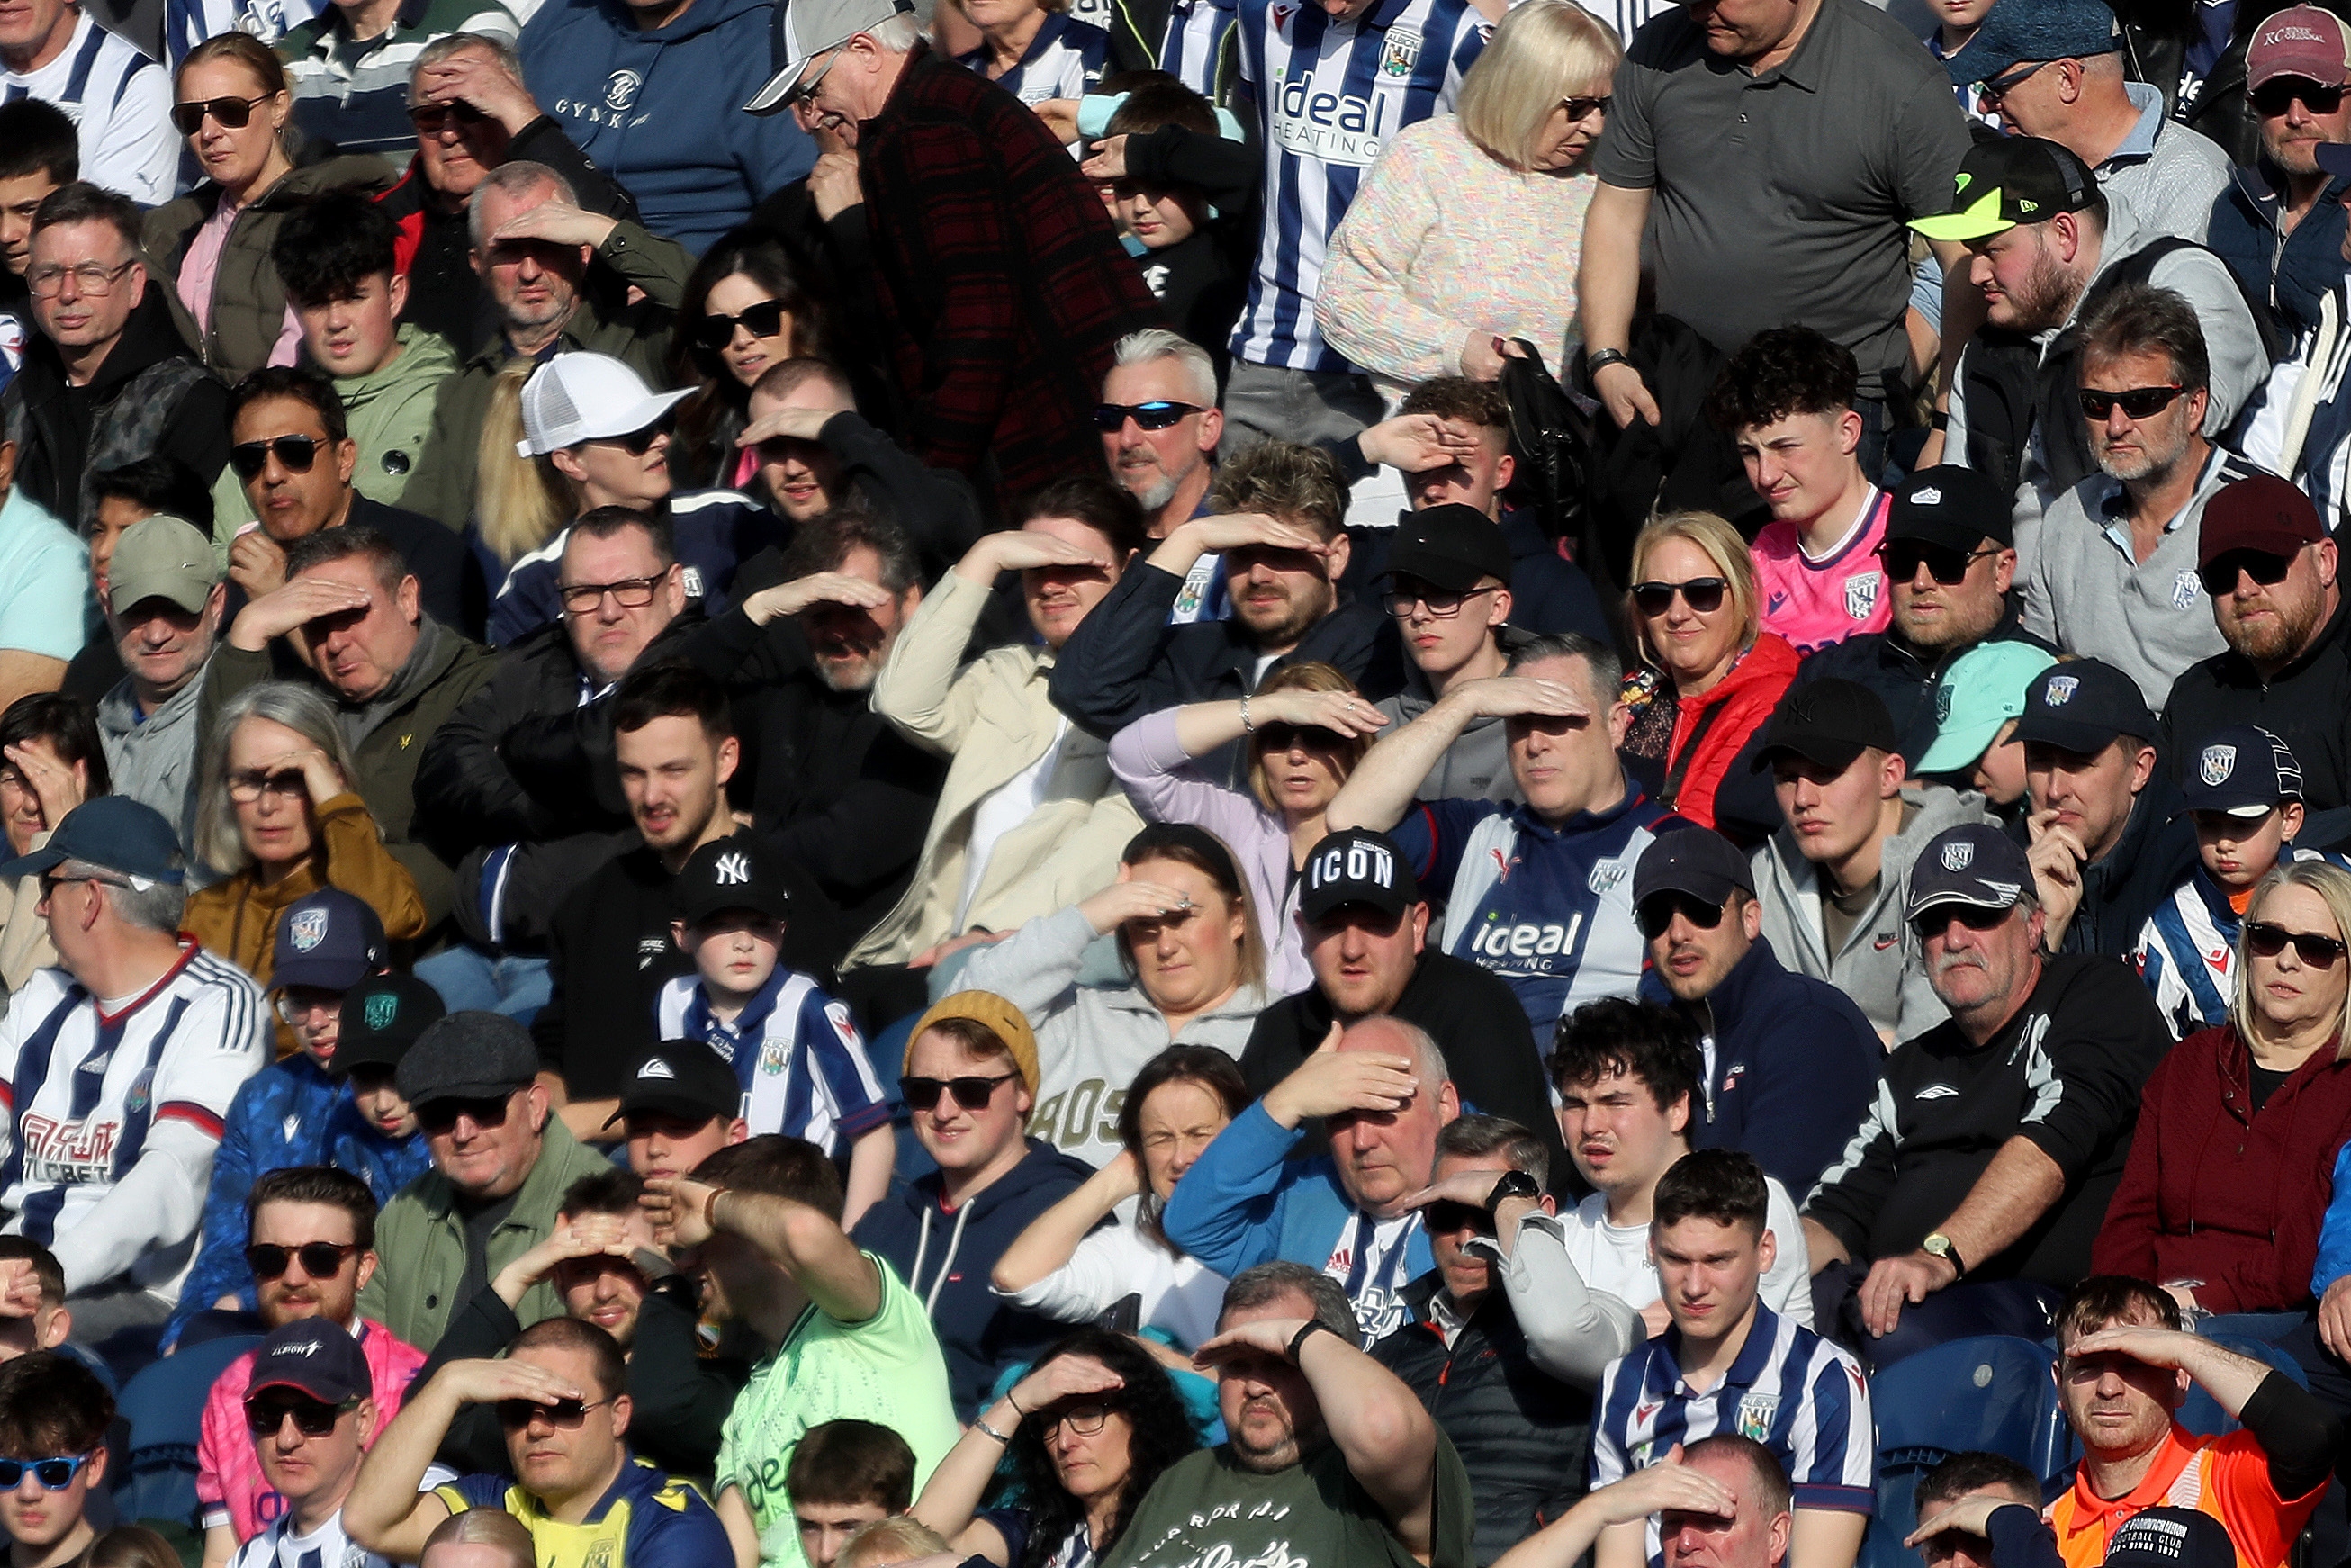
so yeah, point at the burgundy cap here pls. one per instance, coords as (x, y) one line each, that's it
(2300, 41)
(2261, 512)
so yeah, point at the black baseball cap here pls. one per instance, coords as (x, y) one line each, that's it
(1696, 860)
(2081, 705)
(2243, 770)
(681, 1078)
(316, 1356)
(1976, 864)
(2005, 181)
(1357, 866)
(2171, 1538)
(1950, 506)
(1451, 547)
(383, 1017)
(1829, 721)
(733, 873)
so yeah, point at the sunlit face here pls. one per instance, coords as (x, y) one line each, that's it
(484, 1162)
(1692, 646)
(316, 1016)
(1178, 1119)
(300, 1467)
(293, 503)
(361, 652)
(1563, 765)
(604, 1290)
(1153, 464)
(355, 334)
(2289, 994)
(1190, 957)
(1979, 974)
(2272, 623)
(1363, 958)
(235, 156)
(297, 1293)
(747, 355)
(2145, 450)
(1088, 1465)
(1270, 1413)
(673, 775)
(2091, 793)
(1303, 767)
(533, 283)
(1621, 1139)
(1802, 464)
(1708, 1273)
(1929, 616)
(2291, 139)
(76, 317)
(1441, 644)
(2238, 851)
(610, 475)
(20, 197)
(557, 1464)
(802, 477)
(1384, 1155)
(162, 645)
(1058, 597)
(1832, 812)
(1692, 959)
(1467, 1275)
(1278, 594)
(1565, 138)
(279, 825)
(957, 1139)
(456, 152)
(607, 637)
(850, 643)
(20, 804)
(735, 950)
(1750, 1538)
(27, 27)
(2117, 1406)
(2022, 274)
(36, 1518)
(113, 519)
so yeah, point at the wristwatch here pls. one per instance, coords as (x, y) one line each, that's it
(1514, 1184)
(1938, 1245)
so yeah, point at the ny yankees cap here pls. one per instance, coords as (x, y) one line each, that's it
(1983, 689)
(2243, 770)
(1696, 860)
(330, 940)
(2081, 705)
(113, 831)
(384, 1015)
(2011, 179)
(1976, 864)
(1357, 865)
(681, 1078)
(1948, 505)
(799, 30)
(2016, 30)
(736, 872)
(316, 1356)
(1829, 721)
(2170, 1538)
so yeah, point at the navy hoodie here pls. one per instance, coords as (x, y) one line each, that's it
(661, 112)
(946, 1256)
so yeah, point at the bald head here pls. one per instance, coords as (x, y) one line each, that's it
(1384, 1155)
(1397, 1037)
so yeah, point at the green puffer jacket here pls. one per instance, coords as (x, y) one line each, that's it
(249, 304)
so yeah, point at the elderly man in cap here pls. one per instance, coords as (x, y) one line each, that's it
(502, 1162)
(2053, 69)
(311, 1410)
(165, 599)
(1968, 1199)
(2279, 224)
(1366, 929)
(1001, 287)
(2269, 570)
(2047, 245)
(1789, 1059)
(2107, 844)
(1448, 587)
(116, 1106)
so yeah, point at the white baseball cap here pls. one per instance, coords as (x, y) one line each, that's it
(799, 30)
(583, 397)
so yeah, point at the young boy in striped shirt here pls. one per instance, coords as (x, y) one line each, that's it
(796, 1052)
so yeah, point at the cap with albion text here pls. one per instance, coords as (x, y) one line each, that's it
(2260, 512)
(1976, 864)
(161, 557)
(316, 1356)
(1696, 860)
(1828, 721)
(1954, 506)
(2081, 705)
(2243, 770)
(681, 1078)
(330, 939)
(1451, 547)
(1357, 865)
(2018, 30)
(2300, 41)
(2008, 181)
(583, 397)
(799, 30)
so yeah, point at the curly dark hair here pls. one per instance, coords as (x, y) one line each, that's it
(1162, 1433)
(1781, 371)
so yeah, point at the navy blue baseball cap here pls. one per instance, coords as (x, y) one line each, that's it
(114, 831)
(2243, 770)
(2081, 705)
(330, 940)
(316, 1357)
(2017, 30)
(1976, 864)
(1696, 860)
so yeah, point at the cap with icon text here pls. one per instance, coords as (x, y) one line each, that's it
(1357, 865)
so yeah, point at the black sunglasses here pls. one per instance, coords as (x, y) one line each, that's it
(764, 319)
(637, 442)
(1656, 913)
(2219, 575)
(1313, 737)
(320, 1260)
(429, 117)
(312, 1418)
(55, 1474)
(1974, 916)
(2267, 940)
(1580, 110)
(1902, 558)
(514, 1415)
(296, 452)
(2138, 403)
(1445, 1216)
(1992, 91)
(234, 112)
(440, 1116)
(971, 1094)
(1156, 415)
(2274, 98)
(1703, 594)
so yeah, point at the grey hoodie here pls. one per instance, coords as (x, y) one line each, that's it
(1476, 766)
(1881, 966)
(154, 761)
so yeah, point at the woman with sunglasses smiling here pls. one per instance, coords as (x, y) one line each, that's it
(1713, 675)
(2240, 1126)
(1304, 728)
(748, 307)
(277, 819)
(214, 244)
(1095, 1423)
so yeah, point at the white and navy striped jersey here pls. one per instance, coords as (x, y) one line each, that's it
(1065, 59)
(1790, 1390)
(121, 104)
(796, 1053)
(112, 1118)
(2187, 951)
(1197, 49)
(1329, 96)
(326, 1547)
(187, 23)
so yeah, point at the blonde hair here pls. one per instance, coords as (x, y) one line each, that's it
(520, 501)
(491, 1527)
(2333, 886)
(1310, 676)
(901, 1538)
(1721, 545)
(1540, 53)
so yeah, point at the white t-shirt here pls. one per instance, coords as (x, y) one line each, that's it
(1615, 1258)
(1000, 811)
(121, 104)
(1181, 1295)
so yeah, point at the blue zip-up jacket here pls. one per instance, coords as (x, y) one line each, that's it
(661, 111)
(291, 1113)
(1792, 1064)
(2288, 280)
(1245, 1202)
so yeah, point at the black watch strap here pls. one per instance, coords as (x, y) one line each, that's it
(1595, 363)
(1314, 1326)
(1513, 1184)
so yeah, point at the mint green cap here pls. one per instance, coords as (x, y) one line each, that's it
(1983, 689)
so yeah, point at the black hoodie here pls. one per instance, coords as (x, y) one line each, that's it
(2303, 704)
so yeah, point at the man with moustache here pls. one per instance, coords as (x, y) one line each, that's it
(2280, 224)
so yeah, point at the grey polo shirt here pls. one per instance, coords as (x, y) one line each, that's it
(1781, 198)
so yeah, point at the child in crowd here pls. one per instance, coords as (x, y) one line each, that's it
(796, 1052)
(1976, 709)
(2244, 788)
(1178, 202)
(54, 1413)
(845, 1475)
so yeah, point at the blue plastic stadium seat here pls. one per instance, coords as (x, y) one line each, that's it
(2202, 1414)
(1995, 1395)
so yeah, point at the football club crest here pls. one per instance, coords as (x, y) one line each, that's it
(308, 929)
(2184, 589)
(383, 1007)
(2215, 766)
(1861, 595)
(1400, 53)
(1942, 704)
(1756, 1414)
(1605, 876)
(1958, 857)
(2061, 689)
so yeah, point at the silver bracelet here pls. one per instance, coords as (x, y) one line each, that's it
(1247, 727)
(986, 1430)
